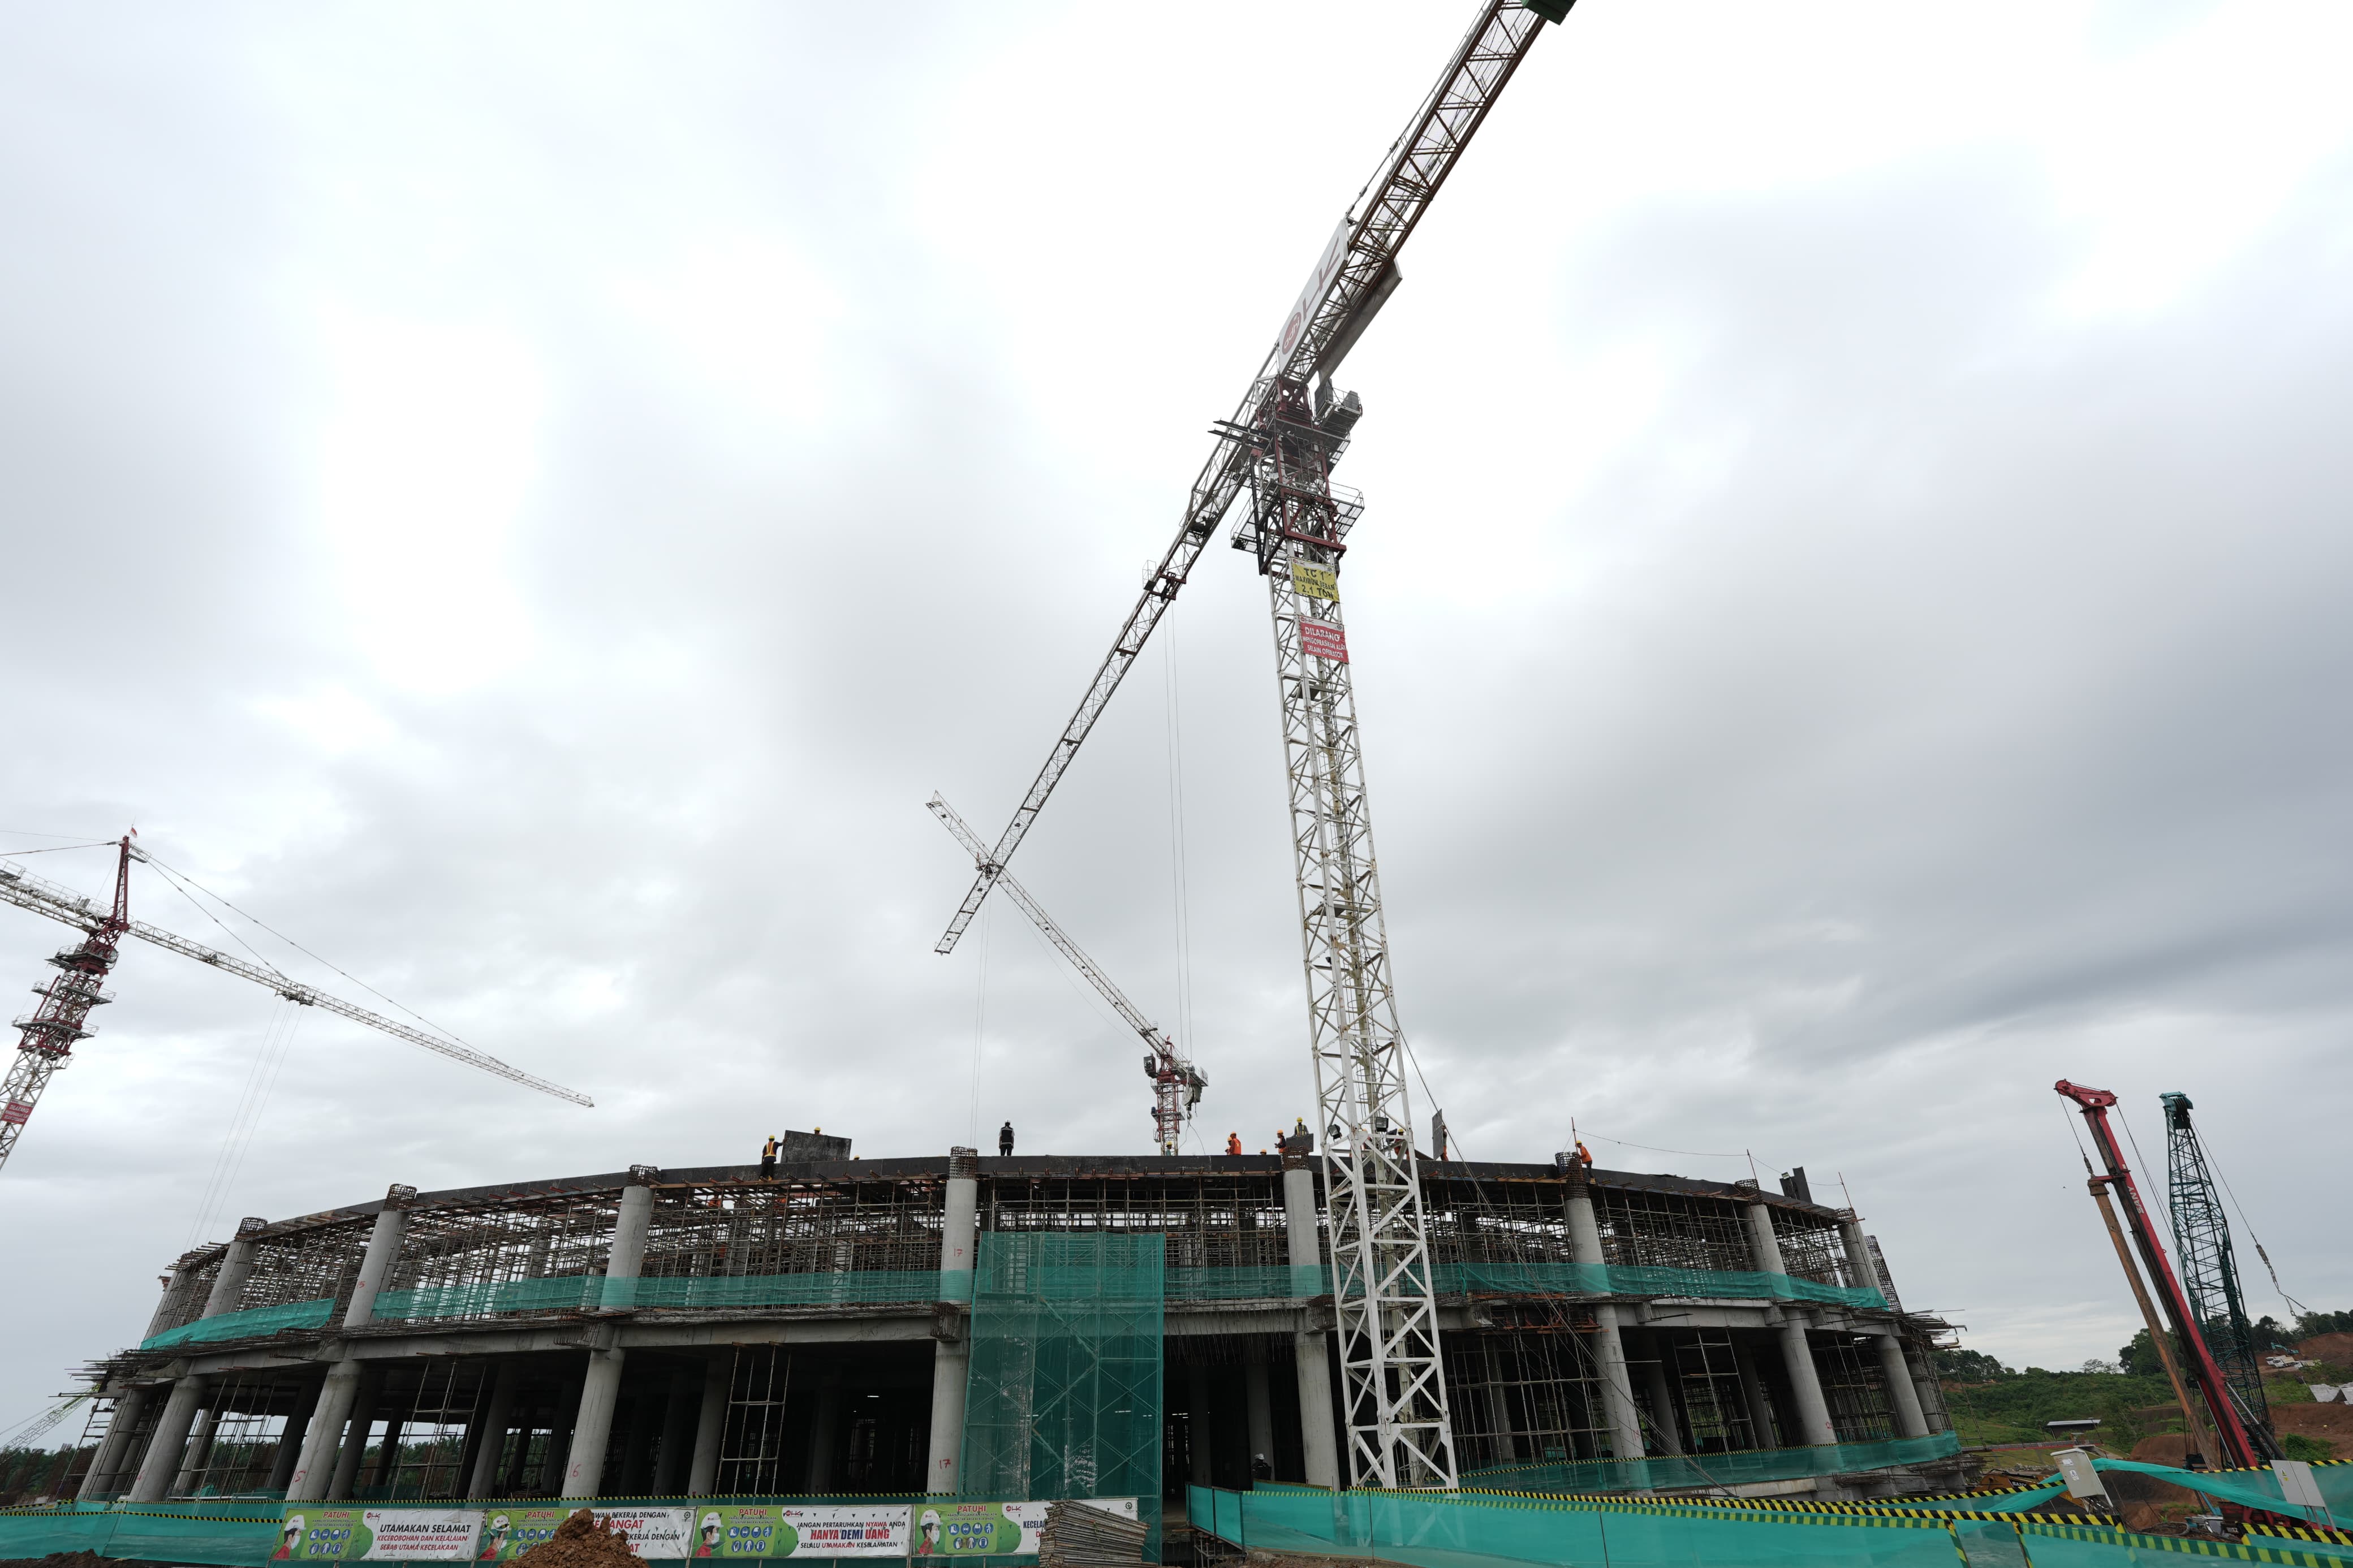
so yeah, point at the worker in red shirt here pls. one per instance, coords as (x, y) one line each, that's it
(1233, 1143)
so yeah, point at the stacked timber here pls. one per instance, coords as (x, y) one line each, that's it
(1077, 1535)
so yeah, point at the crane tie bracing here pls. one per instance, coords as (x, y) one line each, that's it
(1278, 446)
(47, 1035)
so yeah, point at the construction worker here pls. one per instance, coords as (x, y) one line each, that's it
(768, 1158)
(1584, 1154)
(1233, 1143)
(1303, 1141)
(1004, 1139)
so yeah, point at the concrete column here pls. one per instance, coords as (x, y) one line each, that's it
(710, 1425)
(176, 1286)
(484, 1479)
(1814, 1411)
(1764, 1246)
(289, 1440)
(951, 1360)
(592, 1429)
(1902, 1399)
(236, 1267)
(1617, 1387)
(1751, 1389)
(321, 1445)
(383, 1252)
(1861, 1271)
(1925, 1389)
(100, 1479)
(1260, 1401)
(316, 1472)
(828, 1417)
(1662, 1399)
(386, 1468)
(200, 1448)
(1812, 1414)
(1196, 1424)
(165, 1450)
(637, 1445)
(1318, 1439)
(355, 1441)
(677, 1432)
(559, 1437)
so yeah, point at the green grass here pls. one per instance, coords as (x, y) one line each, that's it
(2013, 1409)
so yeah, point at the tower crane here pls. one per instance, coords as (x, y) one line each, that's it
(2209, 1273)
(1177, 1083)
(2240, 1448)
(1279, 446)
(46, 1035)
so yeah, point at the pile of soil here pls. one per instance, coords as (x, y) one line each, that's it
(2336, 1350)
(584, 1541)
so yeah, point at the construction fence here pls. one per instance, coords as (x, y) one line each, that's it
(986, 1532)
(1462, 1530)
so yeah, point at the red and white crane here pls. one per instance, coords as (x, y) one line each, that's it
(1177, 1083)
(47, 1035)
(1278, 446)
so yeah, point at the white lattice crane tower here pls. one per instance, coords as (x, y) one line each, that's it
(1280, 444)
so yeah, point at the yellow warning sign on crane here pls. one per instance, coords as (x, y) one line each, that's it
(1314, 579)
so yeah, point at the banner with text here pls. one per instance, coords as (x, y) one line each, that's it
(312, 1534)
(991, 1529)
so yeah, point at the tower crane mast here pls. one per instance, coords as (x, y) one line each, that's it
(46, 1035)
(1278, 446)
(1177, 1083)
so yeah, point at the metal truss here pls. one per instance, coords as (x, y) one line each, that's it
(1177, 1083)
(1384, 1293)
(1353, 278)
(52, 1032)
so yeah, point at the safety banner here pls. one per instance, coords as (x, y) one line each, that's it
(310, 1533)
(1315, 580)
(1323, 640)
(792, 1529)
(991, 1529)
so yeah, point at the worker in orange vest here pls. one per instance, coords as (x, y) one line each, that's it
(1233, 1143)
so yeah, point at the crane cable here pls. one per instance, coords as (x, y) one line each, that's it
(261, 1083)
(447, 1034)
(2298, 1308)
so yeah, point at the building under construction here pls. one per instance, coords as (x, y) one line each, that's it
(1023, 1327)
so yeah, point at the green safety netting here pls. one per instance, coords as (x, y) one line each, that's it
(591, 1292)
(1436, 1531)
(1062, 1399)
(1713, 1469)
(2256, 1489)
(246, 1324)
(155, 1533)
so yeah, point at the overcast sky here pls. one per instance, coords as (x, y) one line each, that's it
(530, 500)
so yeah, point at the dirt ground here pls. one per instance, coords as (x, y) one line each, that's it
(2336, 1350)
(2331, 1422)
